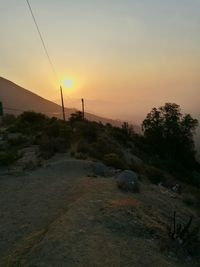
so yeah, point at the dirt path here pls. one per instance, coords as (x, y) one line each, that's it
(30, 202)
(56, 216)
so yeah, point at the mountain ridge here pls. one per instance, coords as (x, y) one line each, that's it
(17, 99)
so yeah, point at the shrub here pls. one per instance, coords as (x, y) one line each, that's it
(114, 160)
(8, 119)
(189, 200)
(8, 157)
(104, 145)
(136, 166)
(82, 146)
(49, 146)
(85, 130)
(20, 142)
(155, 175)
(30, 122)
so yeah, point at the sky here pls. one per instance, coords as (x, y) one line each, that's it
(124, 56)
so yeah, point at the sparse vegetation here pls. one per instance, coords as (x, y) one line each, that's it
(114, 160)
(142, 217)
(8, 157)
(167, 144)
(154, 174)
(184, 238)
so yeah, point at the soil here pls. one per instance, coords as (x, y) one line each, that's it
(59, 215)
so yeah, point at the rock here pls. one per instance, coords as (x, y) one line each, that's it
(128, 180)
(176, 188)
(29, 160)
(99, 169)
(14, 136)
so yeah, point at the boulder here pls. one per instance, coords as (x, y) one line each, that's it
(99, 169)
(128, 180)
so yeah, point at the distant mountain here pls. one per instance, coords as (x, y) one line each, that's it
(16, 99)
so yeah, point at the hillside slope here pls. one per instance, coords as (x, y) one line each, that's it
(17, 99)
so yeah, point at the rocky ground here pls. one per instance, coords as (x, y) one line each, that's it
(62, 214)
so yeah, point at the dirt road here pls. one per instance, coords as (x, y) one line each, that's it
(57, 216)
(31, 201)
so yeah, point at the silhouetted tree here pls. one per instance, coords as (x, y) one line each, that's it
(127, 129)
(170, 133)
(77, 116)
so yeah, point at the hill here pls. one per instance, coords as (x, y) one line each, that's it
(62, 203)
(17, 99)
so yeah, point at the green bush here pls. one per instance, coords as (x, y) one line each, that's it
(82, 146)
(136, 166)
(58, 129)
(86, 130)
(104, 145)
(29, 123)
(8, 119)
(155, 175)
(114, 160)
(189, 200)
(49, 146)
(8, 157)
(19, 142)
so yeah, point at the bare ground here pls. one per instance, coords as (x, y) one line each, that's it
(58, 216)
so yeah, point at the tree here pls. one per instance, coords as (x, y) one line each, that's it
(76, 116)
(170, 133)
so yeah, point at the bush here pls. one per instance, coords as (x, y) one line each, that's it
(114, 160)
(136, 166)
(122, 135)
(82, 146)
(30, 122)
(104, 145)
(8, 157)
(155, 175)
(8, 119)
(19, 142)
(189, 200)
(49, 146)
(58, 128)
(86, 130)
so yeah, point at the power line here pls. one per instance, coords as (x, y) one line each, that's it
(47, 54)
(42, 40)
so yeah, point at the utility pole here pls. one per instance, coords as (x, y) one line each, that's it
(62, 101)
(83, 108)
(1, 109)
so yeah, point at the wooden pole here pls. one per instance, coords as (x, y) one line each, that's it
(62, 101)
(83, 108)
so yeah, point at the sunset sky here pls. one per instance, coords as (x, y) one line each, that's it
(125, 56)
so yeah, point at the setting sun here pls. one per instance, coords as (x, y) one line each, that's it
(68, 83)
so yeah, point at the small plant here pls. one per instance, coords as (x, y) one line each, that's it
(114, 160)
(82, 146)
(189, 200)
(8, 157)
(155, 175)
(49, 146)
(183, 238)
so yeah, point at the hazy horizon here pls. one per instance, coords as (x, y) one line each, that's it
(128, 55)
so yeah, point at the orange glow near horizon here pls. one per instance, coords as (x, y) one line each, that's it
(122, 57)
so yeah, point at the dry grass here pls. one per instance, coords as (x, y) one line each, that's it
(124, 202)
